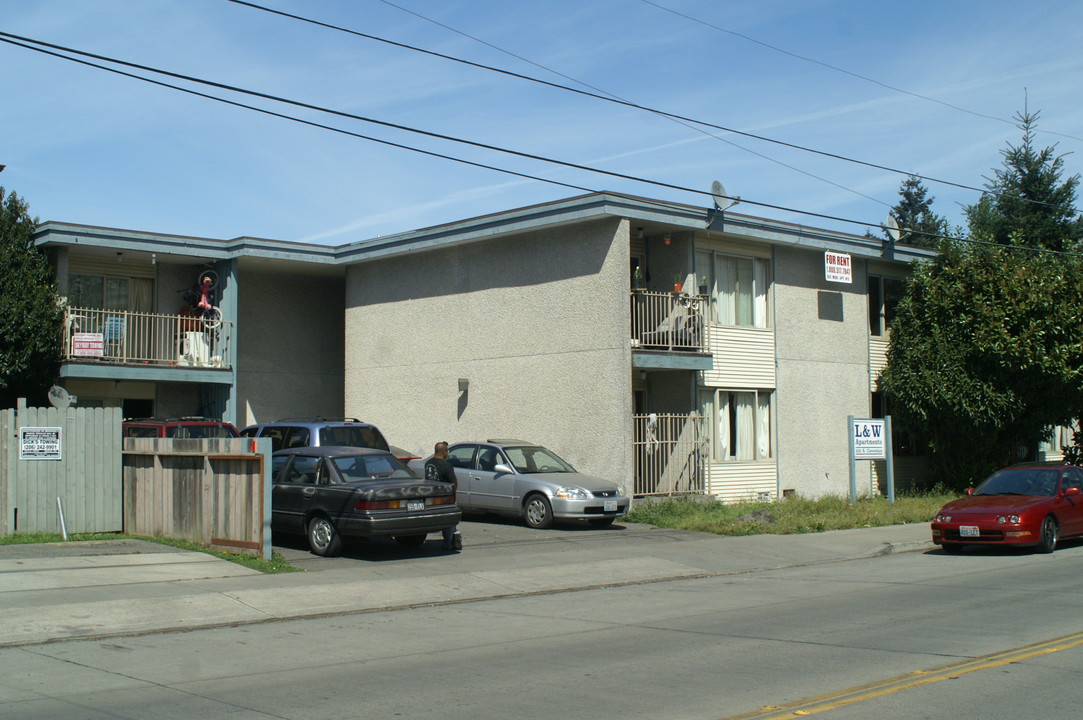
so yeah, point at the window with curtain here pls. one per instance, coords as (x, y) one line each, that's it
(109, 292)
(740, 424)
(737, 288)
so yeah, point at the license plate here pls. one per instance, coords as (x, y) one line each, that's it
(969, 531)
(609, 506)
(415, 505)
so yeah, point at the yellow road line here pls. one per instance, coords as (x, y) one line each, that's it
(881, 688)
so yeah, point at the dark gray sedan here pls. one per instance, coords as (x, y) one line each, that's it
(330, 493)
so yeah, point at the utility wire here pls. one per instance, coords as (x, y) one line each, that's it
(30, 44)
(838, 69)
(688, 125)
(624, 102)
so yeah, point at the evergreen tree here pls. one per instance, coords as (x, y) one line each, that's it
(31, 318)
(1029, 204)
(918, 223)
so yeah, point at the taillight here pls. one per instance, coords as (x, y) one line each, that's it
(401, 504)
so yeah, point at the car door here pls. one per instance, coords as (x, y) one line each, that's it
(293, 491)
(497, 489)
(1072, 507)
(461, 458)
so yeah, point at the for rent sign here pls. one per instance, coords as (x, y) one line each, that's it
(838, 268)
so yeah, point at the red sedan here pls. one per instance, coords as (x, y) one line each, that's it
(1033, 504)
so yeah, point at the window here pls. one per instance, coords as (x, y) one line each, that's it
(462, 456)
(884, 296)
(108, 292)
(739, 422)
(737, 288)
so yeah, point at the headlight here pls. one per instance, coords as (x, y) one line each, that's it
(1001, 519)
(572, 493)
(943, 518)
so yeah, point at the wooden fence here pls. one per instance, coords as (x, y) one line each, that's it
(211, 491)
(60, 463)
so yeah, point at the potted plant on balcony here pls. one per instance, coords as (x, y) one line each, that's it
(703, 286)
(678, 282)
(637, 277)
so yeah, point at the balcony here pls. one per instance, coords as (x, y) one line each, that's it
(119, 337)
(668, 321)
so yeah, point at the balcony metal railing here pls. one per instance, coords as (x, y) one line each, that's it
(668, 321)
(670, 454)
(121, 337)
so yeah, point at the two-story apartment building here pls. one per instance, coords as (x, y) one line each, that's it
(559, 323)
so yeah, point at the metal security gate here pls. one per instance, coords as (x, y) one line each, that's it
(60, 462)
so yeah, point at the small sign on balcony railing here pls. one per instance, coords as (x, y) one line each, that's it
(87, 344)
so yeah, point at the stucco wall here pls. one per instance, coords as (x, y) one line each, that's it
(822, 346)
(537, 323)
(289, 346)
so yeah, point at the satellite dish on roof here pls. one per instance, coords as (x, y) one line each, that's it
(721, 200)
(59, 397)
(892, 226)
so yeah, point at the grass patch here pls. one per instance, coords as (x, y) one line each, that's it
(789, 517)
(277, 564)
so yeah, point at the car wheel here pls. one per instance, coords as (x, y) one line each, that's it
(1047, 535)
(537, 512)
(952, 548)
(410, 541)
(323, 538)
(601, 522)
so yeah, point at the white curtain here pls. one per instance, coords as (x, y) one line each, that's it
(724, 426)
(759, 303)
(763, 426)
(745, 415)
(727, 291)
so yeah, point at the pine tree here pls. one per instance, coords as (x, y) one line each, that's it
(918, 223)
(1029, 204)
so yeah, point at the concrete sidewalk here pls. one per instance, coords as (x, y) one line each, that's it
(62, 591)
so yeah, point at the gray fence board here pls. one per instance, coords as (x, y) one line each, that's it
(86, 478)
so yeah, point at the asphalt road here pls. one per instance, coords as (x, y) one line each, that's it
(881, 637)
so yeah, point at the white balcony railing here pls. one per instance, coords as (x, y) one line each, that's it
(667, 321)
(670, 454)
(134, 338)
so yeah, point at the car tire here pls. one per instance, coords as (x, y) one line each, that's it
(952, 548)
(537, 512)
(1048, 535)
(601, 522)
(410, 541)
(323, 538)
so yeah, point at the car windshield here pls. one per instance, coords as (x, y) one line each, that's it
(536, 459)
(1020, 481)
(366, 467)
(353, 436)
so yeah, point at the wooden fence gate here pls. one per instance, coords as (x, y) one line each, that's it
(60, 462)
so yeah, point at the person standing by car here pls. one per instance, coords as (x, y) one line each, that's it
(438, 468)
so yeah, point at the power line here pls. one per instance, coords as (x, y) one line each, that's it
(688, 125)
(19, 41)
(839, 69)
(626, 103)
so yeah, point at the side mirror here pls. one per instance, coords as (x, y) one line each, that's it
(969, 491)
(1069, 492)
(502, 469)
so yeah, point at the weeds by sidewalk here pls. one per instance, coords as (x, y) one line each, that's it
(791, 516)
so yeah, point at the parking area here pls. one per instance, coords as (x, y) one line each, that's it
(481, 533)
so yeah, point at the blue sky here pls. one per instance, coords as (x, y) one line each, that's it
(85, 146)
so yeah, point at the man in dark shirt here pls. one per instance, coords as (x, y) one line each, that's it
(438, 468)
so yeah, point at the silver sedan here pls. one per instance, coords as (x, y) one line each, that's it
(520, 479)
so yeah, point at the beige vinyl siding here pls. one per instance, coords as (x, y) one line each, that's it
(877, 360)
(734, 482)
(744, 357)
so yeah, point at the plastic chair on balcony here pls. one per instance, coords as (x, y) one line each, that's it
(113, 336)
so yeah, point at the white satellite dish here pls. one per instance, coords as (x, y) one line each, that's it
(59, 397)
(721, 200)
(892, 226)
